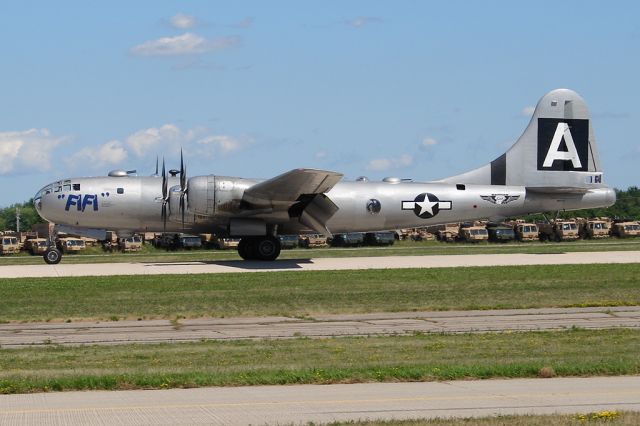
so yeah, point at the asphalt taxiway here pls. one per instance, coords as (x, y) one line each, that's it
(318, 264)
(324, 403)
(373, 324)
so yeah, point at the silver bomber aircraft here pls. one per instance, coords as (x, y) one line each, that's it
(553, 166)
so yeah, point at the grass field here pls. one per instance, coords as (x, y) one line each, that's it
(402, 248)
(609, 417)
(308, 293)
(339, 360)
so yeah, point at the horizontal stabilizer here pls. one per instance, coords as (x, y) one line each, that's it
(288, 187)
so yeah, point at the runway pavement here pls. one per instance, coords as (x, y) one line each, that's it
(155, 331)
(324, 403)
(317, 264)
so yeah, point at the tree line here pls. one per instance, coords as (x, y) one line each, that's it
(627, 206)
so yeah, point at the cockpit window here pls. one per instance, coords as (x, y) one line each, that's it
(76, 187)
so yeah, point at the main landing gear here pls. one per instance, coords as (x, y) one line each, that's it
(259, 248)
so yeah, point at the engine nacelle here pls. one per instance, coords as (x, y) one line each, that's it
(215, 196)
(175, 215)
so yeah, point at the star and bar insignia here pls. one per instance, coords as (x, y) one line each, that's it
(426, 205)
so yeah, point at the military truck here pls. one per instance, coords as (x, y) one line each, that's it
(593, 228)
(9, 245)
(500, 233)
(473, 233)
(419, 234)
(225, 243)
(36, 245)
(622, 229)
(288, 241)
(379, 238)
(447, 232)
(172, 241)
(559, 230)
(352, 239)
(312, 241)
(70, 244)
(130, 244)
(525, 231)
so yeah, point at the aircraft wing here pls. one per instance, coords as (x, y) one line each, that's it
(287, 188)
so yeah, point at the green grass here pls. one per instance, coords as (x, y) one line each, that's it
(403, 248)
(610, 417)
(309, 293)
(338, 360)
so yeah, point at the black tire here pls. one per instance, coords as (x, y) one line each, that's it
(243, 249)
(52, 256)
(267, 248)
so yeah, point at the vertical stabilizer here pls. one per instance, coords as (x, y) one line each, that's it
(557, 151)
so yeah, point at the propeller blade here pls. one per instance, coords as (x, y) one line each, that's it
(183, 173)
(164, 182)
(156, 173)
(164, 196)
(182, 208)
(183, 186)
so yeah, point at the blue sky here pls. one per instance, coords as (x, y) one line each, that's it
(415, 89)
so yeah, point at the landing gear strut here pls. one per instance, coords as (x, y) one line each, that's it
(259, 248)
(52, 256)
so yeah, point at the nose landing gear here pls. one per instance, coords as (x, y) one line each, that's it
(52, 256)
(259, 248)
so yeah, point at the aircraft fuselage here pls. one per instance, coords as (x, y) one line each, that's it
(133, 204)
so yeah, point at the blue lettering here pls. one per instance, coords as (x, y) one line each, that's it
(91, 200)
(73, 200)
(81, 202)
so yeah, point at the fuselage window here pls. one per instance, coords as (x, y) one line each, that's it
(120, 190)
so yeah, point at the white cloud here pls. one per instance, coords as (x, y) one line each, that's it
(320, 155)
(185, 44)
(223, 143)
(27, 150)
(169, 139)
(427, 142)
(382, 164)
(109, 153)
(361, 21)
(163, 141)
(245, 23)
(182, 21)
(528, 111)
(156, 138)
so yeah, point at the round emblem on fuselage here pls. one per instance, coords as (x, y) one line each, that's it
(374, 206)
(426, 205)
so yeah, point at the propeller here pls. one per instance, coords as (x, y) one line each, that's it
(156, 173)
(183, 186)
(184, 190)
(165, 196)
